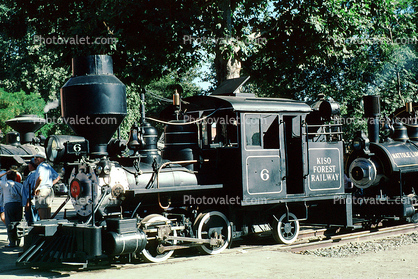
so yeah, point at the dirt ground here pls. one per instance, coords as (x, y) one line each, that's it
(261, 262)
(241, 262)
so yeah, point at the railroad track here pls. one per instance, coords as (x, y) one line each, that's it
(316, 239)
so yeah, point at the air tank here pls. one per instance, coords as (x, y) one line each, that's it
(93, 101)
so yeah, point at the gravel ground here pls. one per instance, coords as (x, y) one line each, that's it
(357, 248)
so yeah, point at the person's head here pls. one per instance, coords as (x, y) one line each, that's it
(11, 175)
(39, 158)
(32, 165)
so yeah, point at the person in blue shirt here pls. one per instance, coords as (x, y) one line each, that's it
(12, 201)
(31, 214)
(3, 178)
(45, 178)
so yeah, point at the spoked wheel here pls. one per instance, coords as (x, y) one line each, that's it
(213, 224)
(286, 231)
(151, 252)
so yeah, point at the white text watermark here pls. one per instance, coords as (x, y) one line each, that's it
(77, 40)
(188, 39)
(220, 200)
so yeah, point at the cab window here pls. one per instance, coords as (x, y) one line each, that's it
(220, 131)
(262, 131)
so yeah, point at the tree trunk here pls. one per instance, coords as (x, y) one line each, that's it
(227, 62)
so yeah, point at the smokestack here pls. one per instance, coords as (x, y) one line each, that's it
(93, 101)
(372, 112)
(26, 125)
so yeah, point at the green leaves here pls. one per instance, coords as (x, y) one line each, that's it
(16, 103)
(294, 49)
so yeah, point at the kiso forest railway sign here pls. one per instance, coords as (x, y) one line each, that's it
(325, 168)
(324, 171)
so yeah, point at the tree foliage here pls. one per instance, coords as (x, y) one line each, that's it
(298, 49)
(343, 49)
(158, 95)
(16, 103)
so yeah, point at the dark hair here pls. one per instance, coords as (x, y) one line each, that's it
(11, 175)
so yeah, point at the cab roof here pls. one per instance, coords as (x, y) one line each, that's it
(245, 102)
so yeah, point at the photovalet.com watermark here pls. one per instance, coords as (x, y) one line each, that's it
(79, 120)
(221, 200)
(381, 41)
(77, 40)
(374, 201)
(188, 39)
(82, 120)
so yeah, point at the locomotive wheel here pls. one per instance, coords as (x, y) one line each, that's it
(210, 225)
(150, 253)
(284, 231)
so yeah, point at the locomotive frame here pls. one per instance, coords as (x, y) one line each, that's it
(233, 164)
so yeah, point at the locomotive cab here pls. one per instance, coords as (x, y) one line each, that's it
(267, 156)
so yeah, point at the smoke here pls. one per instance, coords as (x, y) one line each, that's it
(51, 105)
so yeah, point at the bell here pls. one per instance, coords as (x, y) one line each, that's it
(134, 138)
(401, 133)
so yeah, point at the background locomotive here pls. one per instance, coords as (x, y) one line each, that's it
(385, 172)
(232, 164)
(21, 144)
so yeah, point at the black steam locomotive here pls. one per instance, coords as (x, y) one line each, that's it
(21, 144)
(232, 165)
(385, 172)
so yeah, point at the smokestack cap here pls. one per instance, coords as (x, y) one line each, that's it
(92, 65)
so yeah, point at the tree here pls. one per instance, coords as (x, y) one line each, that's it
(293, 49)
(344, 49)
(10, 108)
(227, 34)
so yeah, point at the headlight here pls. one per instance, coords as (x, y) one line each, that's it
(65, 148)
(357, 145)
(361, 142)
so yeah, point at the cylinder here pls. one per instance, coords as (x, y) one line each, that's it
(121, 244)
(372, 112)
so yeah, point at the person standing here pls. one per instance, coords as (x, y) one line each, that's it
(3, 178)
(31, 214)
(45, 178)
(12, 205)
(1, 207)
